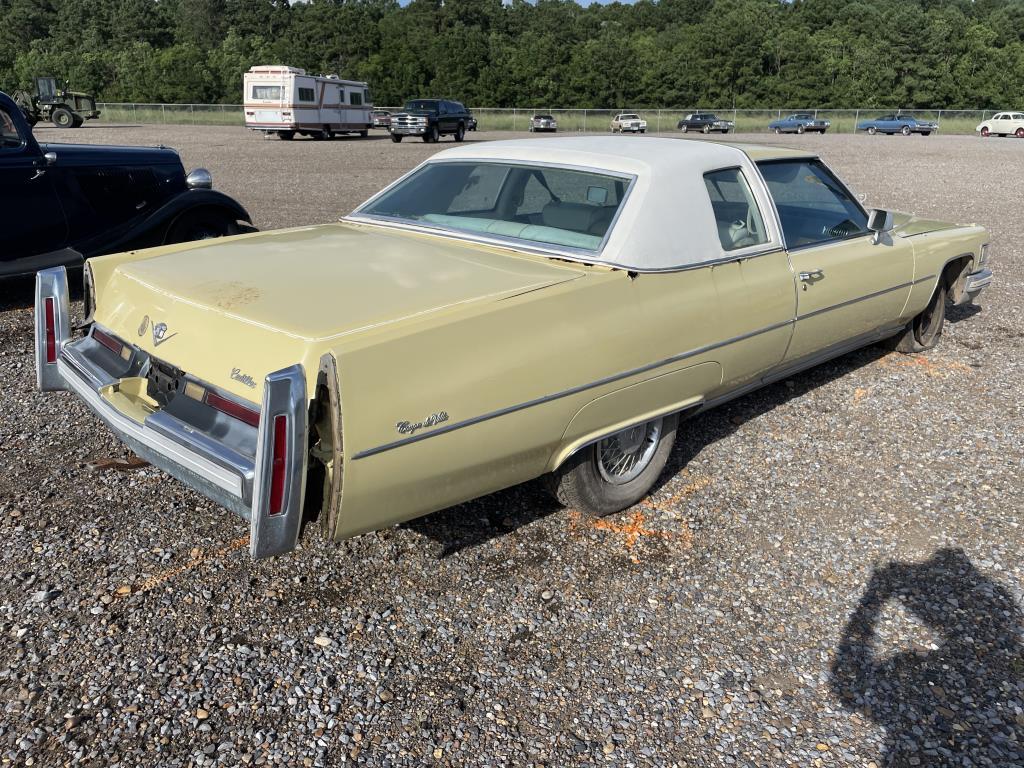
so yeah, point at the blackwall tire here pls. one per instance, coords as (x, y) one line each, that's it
(924, 331)
(396, 139)
(62, 118)
(286, 135)
(460, 132)
(583, 482)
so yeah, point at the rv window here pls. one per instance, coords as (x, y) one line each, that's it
(266, 92)
(307, 94)
(356, 98)
(366, 96)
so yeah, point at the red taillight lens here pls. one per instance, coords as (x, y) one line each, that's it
(278, 465)
(51, 332)
(107, 341)
(233, 409)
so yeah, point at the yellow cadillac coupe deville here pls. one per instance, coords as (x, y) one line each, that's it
(505, 311)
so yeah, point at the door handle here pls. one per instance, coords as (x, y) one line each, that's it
(812, 275)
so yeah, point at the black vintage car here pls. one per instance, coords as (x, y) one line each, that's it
(430, 119)
(705, 122)
(63, 203)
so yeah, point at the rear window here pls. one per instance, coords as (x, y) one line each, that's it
(538, 204)
(266, 92)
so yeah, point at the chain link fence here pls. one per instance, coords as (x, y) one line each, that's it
(569, 120)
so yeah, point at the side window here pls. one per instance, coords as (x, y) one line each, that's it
(813, 205)
(307, 94)
(736, 214)
(9, 136)
(366, 96)
(356, 98)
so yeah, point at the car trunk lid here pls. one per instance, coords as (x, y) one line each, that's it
(231, 311)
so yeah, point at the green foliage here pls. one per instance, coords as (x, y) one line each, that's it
(944, 54)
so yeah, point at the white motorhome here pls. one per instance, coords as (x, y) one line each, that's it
(287, 101)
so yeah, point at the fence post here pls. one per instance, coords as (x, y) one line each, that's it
(939, 119)
(659, 122)
(135, 118)
(192, 113)
(584, 121)
(163, 113)
(856, 119)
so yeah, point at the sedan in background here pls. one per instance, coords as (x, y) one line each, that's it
(905, 124)
(380, 118)
(1003, 124)
(799, 123)
(705, 122)
(543, 123)
(628, 122)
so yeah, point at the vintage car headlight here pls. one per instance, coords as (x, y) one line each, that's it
(200, 178)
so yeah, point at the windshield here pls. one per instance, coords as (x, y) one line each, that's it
(539, 204)
(420, 105)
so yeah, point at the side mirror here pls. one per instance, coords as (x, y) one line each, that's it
(880, 222)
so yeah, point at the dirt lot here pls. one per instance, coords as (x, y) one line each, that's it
(830, 572)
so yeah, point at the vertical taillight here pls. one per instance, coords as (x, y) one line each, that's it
(278, 465)
(51, 331)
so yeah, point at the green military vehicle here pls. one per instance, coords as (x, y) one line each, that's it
(64, 108)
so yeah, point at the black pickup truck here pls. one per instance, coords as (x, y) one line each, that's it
(431, 119)
(63, 203)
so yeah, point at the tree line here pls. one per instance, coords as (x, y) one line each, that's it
(941, 54)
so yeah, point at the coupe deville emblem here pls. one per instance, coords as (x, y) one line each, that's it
(160, 334)
(410, 427)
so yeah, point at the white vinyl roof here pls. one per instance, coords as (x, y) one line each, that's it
(666, 221)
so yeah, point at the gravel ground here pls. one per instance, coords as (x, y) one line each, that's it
(830, 572)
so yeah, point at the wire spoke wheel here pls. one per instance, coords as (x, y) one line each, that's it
(626, 454)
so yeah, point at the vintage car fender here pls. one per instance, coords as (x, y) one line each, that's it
(602, 416)
(154, 228)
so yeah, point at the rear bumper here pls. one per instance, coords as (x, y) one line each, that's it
(238, 477)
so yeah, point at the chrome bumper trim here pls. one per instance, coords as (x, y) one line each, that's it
(977, 282)
(284, 394)
(51, 284)
(240, 483)
(172, 452)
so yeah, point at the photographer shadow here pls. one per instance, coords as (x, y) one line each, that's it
(954, 703)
